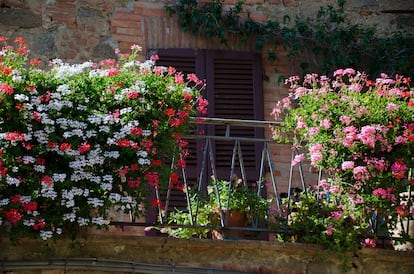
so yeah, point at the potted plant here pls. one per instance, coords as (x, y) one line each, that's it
(360, 132)
(228, 204)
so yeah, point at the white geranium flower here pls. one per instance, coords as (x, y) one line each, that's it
(46, 234)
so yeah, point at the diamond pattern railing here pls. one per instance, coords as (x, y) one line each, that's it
(207, 168)
(266, 176)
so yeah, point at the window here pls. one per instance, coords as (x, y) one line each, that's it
(234, 90)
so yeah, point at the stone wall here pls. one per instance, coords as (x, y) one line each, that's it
(78, 30)
(110, 254)
(81, 30)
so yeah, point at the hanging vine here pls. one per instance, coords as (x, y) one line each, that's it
(322, 44)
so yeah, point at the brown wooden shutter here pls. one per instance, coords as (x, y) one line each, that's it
(234, 90)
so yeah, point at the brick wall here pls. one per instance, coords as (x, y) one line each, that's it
(80, 30)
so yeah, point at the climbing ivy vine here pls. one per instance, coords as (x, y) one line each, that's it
(321, 44)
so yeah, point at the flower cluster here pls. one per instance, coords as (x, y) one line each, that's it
(78, 139)
(361, 133)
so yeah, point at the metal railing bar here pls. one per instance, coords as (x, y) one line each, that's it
(272, 175)
(233, 122)
(167, 202)
(241, 163)
(187, 193)
(319, 181)
(201, 177)
(157, 193)
(302, 176)
(233, 163)
(229, 138)
(291, 175)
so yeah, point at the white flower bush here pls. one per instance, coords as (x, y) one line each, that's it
(78, 139)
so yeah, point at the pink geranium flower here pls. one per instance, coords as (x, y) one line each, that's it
(369, 242)
(325, 123)
(368, 135)
(329, 230)
(298, 158)
(348, 165)
(361, 173)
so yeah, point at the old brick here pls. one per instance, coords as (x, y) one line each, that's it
(365, 13)
(149, 5)
(154, 12)
(14, 4)
(106, 6)
(125, 38)
(54, 11)
(70, 55)
(290, 3)
(258, 17)
(81, 42)
(126, 16)
(90, 28)
(254, 2)
(129, 31)
(126, 24)
(125, 46)
(274, 2)
(61, 16)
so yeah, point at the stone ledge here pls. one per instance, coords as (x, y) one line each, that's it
(242, 255)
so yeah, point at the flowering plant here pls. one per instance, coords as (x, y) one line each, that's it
(78, 139)
(361, 133)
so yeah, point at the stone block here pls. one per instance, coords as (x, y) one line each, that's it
(103, 50)
(23, 18)
(43, 44)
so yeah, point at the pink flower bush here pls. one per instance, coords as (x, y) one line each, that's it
(360, 132)
(79, 139)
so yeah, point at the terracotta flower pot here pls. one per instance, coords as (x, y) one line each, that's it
(236, 219)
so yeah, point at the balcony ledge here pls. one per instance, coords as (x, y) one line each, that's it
(244, 256)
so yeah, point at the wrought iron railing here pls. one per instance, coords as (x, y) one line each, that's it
(207, 169)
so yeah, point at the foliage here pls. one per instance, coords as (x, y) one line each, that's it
(330, 39)
(222, 197)
(361, 133)
(80, 139)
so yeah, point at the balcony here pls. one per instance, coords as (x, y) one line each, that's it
(224, 156)
(128, 245)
